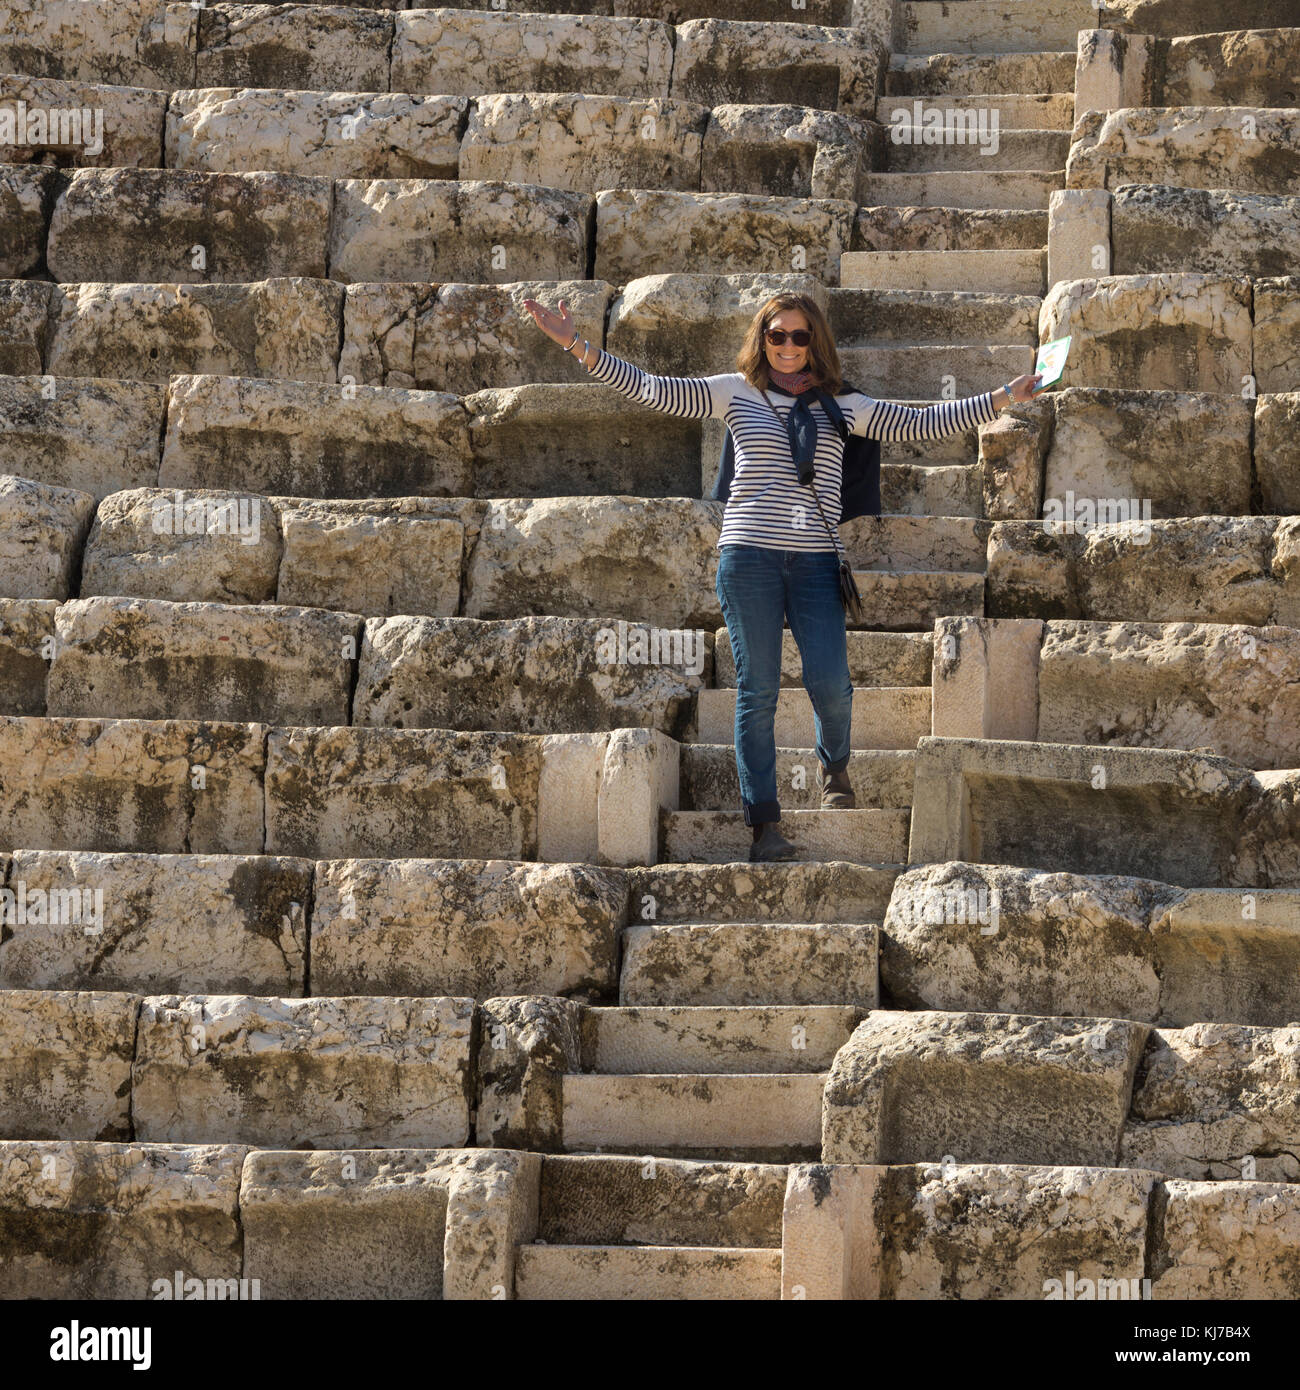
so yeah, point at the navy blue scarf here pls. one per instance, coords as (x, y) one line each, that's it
(860, 481)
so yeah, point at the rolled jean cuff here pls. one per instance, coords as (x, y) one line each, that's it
(838, 766)
(761, 812)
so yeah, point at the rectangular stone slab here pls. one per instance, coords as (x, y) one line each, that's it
(355, 1072)
(158, 922)
(65, 1064)
(117, 1220)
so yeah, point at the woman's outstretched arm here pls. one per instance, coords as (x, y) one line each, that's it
(690, 397)
(888, 420)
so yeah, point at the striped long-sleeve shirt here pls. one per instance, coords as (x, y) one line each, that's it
(768, 507)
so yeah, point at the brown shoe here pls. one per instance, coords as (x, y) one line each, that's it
(837, 792)
(770, 846)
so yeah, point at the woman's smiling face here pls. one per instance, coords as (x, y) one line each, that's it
(787, 357)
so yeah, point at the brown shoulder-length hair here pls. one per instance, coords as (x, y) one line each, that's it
(823, 359)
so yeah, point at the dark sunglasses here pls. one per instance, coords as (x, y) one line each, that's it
(801, 337)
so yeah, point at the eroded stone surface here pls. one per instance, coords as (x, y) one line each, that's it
(42, 530)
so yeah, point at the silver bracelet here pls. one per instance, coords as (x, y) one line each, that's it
(575, 339)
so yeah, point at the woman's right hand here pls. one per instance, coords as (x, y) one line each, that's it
(556, 324)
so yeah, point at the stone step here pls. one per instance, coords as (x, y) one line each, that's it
(875, 658)
(1008, 272)
(990, 26)
(950, 229)
(985, 152)
(618, 1201)
(979, 74)
(722, 837)
(591, 1272)
(750, 963)
(765, 1117)
(718, 1040)
(867, 318)
(1016, 111)
(914, 598)
(886, 372)
(883, 717)
(671, 894)
(881, 778)
(962, 188)
(944, 490)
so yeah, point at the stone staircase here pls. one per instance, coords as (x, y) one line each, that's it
(368, 933)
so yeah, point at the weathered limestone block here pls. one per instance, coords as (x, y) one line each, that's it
(1247, 149)
(639, 780)
(578, 440)
(80, 125)
(1010, 1231)
(141, 43)
(1169, 17)
(693, 325)
(373, 558)
(42, 530)
(308, 440)
(363, 1224)
(642, 232)
(179, 226)
(787, 151)
(87, 1220)
(1267, 853)
(948, 229)
(462, 337)
(799, 892)
(424, 229)
(1217, 1100)
(1235, 690)
(95, 435)
(736, 964)
(204, 921)
(1277, 452)
(24, 308)
(1156, 228)
(986, 1088)
(26, 192)
(333, 49)
(168, 787)
(584, 143)
(536, 675)
(26, 641)
(185, 546)
(492, 1201)
(1003, 940)
(1013, 453)
(1180, 817)
(1190, 569)
(1182, 332)
(822, 13)
(724, 60)
(1113, 72)
(608, 1200)
(336, 793)
(276, 328)
(526, 1046)
(1228, 1240)
(648, 560)
(352, 1072)
(985, 678)
(334, 134)
(65, 1064)
(1168, 453)
(149, 659)
(470, 52)
(1277, 334)
(418, 926)
(1247, 67)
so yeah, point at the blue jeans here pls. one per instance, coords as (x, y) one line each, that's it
(758, 589)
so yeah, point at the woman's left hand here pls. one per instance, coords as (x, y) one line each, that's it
(1022, 388)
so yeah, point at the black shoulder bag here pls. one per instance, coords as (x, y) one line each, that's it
(849, 594)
